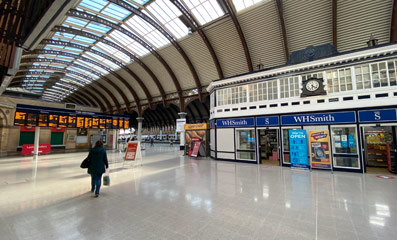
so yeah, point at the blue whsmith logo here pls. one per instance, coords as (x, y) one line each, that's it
(234, 122)
(312, 118)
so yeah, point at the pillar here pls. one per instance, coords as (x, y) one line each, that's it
(140, 120)
(115, 138)
(182, 115)
(36, 144)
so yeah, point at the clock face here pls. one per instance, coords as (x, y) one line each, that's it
(312, 85)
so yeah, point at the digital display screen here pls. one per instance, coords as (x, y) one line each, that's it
(80, 122)
(108, 123)
(72, 121)
(63, 121)
(20, 118)
(88, 122)
(53, 120)
(31, 119)
(102, 123)
(121, 123)
(126, 124)
(95, 123)
(115, 124)
(43, 120)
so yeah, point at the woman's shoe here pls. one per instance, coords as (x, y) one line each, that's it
(96, 194)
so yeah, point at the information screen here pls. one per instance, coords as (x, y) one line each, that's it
(108, 123)
(43, 120)
(72, 121)
(121, 123)
(53, 120)
(95, 123)
(102, 123)
(63, 121)
(80, 122)
(126, 124)
(115, 124)
(31, 119)
(88, 122)
(20, 118)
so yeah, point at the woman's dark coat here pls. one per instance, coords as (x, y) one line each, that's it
(98, 160)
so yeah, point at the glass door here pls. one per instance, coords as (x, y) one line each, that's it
(245, 144)
(344, 147)
(268, 146)
(285, 144)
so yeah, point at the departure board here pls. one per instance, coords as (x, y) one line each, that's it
(72, 121)
(80, 122)
(53, 120)
(109, 123)
(20, 118)
(43, 120)
(95, 123)
(102, 123)
(31, 119)
(121, 123)
(88, 122)
(115, 124)
(63, 121)
(126, 124)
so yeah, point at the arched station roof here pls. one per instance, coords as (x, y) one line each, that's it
(131, 55)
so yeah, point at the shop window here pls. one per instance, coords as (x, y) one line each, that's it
(391, 65)
(312, 75)
(289, 87)
(253, 92)
(363, 79)
(339, 80)
(344, 144)
(245, 144)
(267, 90)
(242, 94)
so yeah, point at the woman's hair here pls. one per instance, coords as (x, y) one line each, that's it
(99, 143)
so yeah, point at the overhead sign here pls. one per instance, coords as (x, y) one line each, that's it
(383, 115)
(319, 118)
(180, 124)
(235, 122)
(267, 121)
(320, 149)
(212, 124)
(196, 126)
(298, 149)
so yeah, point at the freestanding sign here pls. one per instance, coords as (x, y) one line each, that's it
(133, 151)
(27, 149)
(196, 149)
(298, 149)
(319, 149)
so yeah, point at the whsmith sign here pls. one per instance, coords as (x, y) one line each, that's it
(235, 122)
(319, 118)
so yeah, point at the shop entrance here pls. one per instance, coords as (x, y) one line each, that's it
(268, 146)
(379, 143)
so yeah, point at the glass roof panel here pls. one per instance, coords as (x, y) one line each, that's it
(76, 21)
(85, 39)
(168, 15)
(205, 10)
(98, 27)
(97, 5)
(116, 12)
(141, 2)
(243, 4)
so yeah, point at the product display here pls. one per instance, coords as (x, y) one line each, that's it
(378, 149)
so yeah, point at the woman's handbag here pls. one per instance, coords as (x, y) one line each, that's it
(85, 163)
(106, 178)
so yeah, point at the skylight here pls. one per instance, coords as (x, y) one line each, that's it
(205, 10)
(243, 4)
(116, 12)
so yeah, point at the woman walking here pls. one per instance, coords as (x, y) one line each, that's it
(98, 162)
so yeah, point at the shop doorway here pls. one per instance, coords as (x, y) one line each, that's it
(268, 145)
(379, 143)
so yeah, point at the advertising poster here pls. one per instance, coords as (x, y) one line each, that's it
(28, 149)
(131, 151)
(319, 149)
(298, 149)
(196, 149)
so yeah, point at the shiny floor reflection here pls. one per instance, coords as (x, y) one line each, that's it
(174, 197)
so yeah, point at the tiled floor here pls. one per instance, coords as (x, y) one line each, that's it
(174, 197)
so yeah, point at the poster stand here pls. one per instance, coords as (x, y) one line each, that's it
(133, 154)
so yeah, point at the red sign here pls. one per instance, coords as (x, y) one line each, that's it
(27, 128)
(196, 149)
(130, 154)
(385, 177)
(27, 149)
(58, 129)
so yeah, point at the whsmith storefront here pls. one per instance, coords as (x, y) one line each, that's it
(337, 113)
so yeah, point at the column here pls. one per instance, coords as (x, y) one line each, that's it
(115, 138)
(140, 120)
(182, 115)
(36, 144)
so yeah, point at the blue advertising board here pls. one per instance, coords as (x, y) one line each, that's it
(267, 121)
(298, 149)
(212, 124)
(383, 115)
(235, 122)
(319, 118)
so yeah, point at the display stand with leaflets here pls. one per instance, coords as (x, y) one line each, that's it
(133, 154)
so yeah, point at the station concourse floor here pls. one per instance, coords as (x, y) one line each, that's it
(176, 197)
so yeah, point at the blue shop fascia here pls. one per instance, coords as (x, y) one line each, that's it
(337, 113)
